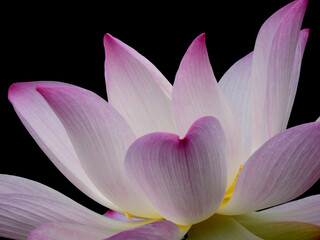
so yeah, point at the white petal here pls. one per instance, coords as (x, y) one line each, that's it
(25, 204)
(295, 220)
(236, 87)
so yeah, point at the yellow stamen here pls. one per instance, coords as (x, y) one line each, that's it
(230, 190)
(128, 216)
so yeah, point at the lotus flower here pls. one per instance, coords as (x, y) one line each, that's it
(199, 156)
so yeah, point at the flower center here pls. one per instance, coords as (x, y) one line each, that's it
(230, 190)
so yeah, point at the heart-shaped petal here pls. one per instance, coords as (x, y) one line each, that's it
(185, 179)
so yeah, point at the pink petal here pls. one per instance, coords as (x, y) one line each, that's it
(25, 204)
(272, 66)
(303, 38)
(69, 231)
(236, 87)
(137, 89)
(160, 230)
(280, 170)
(45, 127)
(100, 137)
(185, 179)
(298, 219)
(196, 94)
(220, 227)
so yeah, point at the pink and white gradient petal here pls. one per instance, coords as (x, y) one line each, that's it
(47, 130)
(69, 231)
(196, 94)
(272, 67)
(136, 88)
(160, 230)
(185, 179)
(100, 137)
(25, 204)
(280, 170)
(220, 227)
(294, 220)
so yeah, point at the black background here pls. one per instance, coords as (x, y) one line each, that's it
(64, 43)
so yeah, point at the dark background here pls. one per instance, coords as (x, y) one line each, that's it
(64, 43)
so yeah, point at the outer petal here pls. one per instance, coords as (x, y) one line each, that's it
(100, 137)
(220, 228)
(196, 94)
(272, 67)
(25, 204)
(137, 89)
(68, 231)
(236, 87)
(45, 127)
(185, 179)
(160, 230)
(280, 170)
(295, 220)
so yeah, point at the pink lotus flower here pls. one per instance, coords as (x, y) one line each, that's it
(200, 156)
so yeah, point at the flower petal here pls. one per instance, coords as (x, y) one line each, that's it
(119, 216)
(272, 67)
(220, 227)
(160, 230)
(137, 89)
(279, 171)
(100, 137)
(68, 231)
(185, 179)
(196, 94)
(236, 87)
(293, 84)
(47, 130)
(25, 204)
(295, 220)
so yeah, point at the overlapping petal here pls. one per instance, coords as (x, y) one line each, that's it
(236, 87)
(272, 68)
(100, 137)
(137, 89)
(185, 179)
(47, 130)
(25, 204)
(220, 227)
(196, 94)
(280, 170)
(160, 230)
(295, 220)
